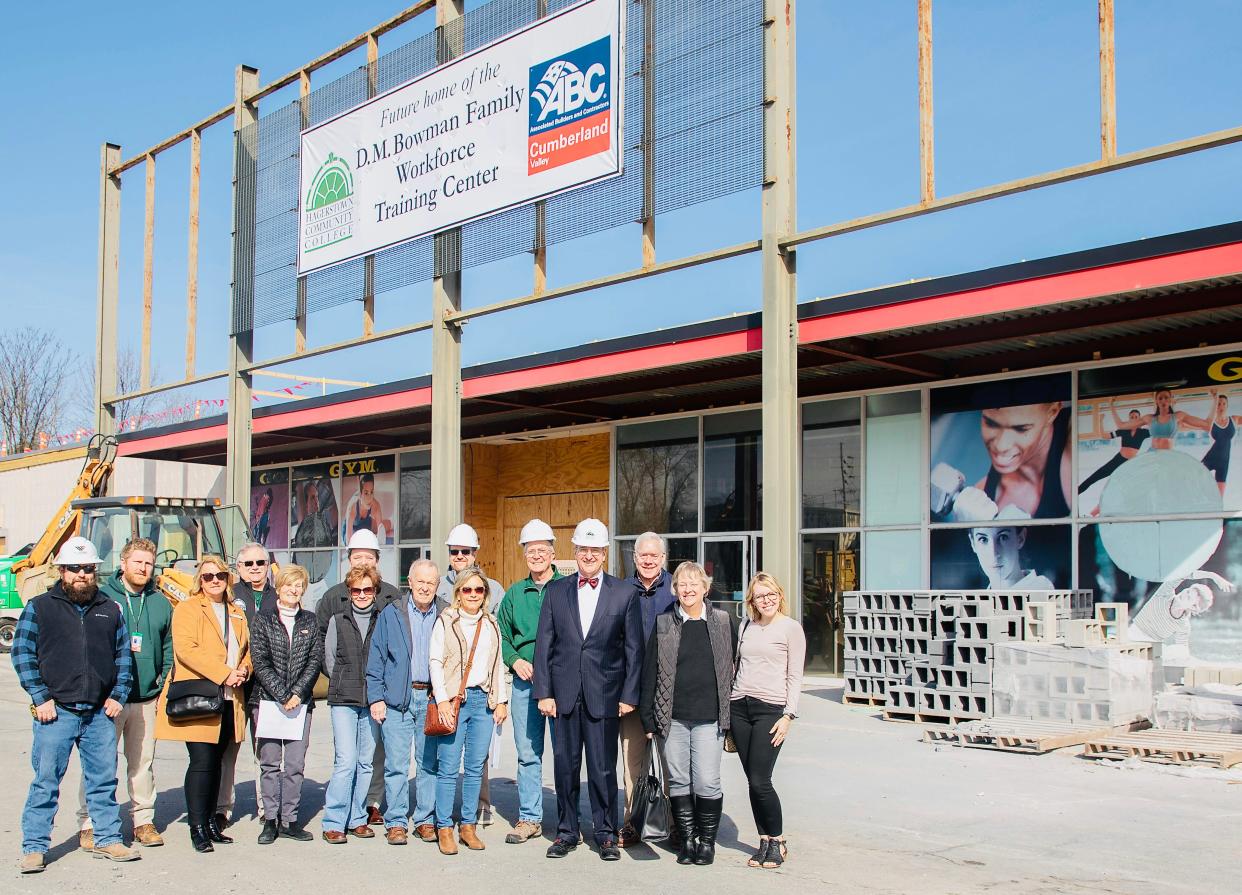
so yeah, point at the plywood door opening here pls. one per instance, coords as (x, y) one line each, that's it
(562, 511)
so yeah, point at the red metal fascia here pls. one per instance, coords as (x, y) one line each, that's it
(1127, 276)
(331, 413)
(141, 446)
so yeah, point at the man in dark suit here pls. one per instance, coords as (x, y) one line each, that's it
(588, 662)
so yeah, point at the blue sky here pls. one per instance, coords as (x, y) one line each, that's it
(1016, 94)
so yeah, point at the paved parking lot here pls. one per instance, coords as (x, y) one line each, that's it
(868, 808)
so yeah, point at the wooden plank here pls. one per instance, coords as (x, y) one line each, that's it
(191, 258)
(927, 126)
(148, 268)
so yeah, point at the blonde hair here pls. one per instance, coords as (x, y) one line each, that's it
(209, 559)
(770, 581)
(690, 569)
(291, 574)
(465, 575)
(356, 574)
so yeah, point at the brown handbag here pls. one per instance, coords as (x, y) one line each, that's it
(432, 725)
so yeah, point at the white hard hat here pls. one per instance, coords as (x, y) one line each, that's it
(536, 530)
(462, 536)
(590, 533)
(77, 551)
(364, 539)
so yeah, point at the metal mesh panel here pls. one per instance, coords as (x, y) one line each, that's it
(707, 142)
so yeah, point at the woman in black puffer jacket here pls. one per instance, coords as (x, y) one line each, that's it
(287, 653)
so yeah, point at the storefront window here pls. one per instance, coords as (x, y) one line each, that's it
(894, 459)
(732, 470)
(679, 550)
(416, 496)
(894, 559)
(830, 463)
(657, 476)
(829, 568)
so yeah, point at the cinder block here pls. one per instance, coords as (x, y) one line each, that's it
(941, 652)
(1115, 619)
(850, 601)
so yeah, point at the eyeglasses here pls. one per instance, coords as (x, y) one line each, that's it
(461, 551)
(209, 577)
(249, 563)
(592, 551)
(362, 591)
(538, 551)
(476, 591)
(770, 597)
(85, 569)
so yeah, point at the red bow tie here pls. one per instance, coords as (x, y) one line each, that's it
(588, 582)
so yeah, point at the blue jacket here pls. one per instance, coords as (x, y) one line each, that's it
(600, 668)
(657, 599)
(388, 662)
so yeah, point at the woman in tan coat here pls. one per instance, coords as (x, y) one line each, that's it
(203, 651)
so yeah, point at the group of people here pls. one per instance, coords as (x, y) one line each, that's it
(427, 679)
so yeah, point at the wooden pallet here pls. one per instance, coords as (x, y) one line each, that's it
(1022, 735)
(863, 699)
(909, 716)
(1184, 747)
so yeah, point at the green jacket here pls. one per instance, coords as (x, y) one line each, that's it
(150, 616)
(518, 619)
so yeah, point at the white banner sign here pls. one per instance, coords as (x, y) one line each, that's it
(536, 113)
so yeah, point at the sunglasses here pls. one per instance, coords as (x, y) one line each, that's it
(88, 569)
(251, 563)
(457, 551)
(473, 591)
(214, 576)
(362, 591)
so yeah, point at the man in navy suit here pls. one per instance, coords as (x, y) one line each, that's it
(588, 662)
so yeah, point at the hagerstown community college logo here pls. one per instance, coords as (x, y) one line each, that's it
(328, 213)
(569, 108)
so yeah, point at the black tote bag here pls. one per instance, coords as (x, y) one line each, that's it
(650, 815)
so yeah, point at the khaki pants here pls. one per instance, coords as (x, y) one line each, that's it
(135, 740)
(633, 754)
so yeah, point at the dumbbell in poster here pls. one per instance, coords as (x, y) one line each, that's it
(1001, 457)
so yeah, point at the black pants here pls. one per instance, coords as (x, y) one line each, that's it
(573, 733)
(202, 777)
(1103, 472)
(752, 719)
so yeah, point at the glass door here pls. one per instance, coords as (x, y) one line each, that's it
(726, 558)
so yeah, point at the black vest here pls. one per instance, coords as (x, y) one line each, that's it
(76, 651)
(348, 684)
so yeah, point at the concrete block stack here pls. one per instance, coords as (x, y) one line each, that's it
(885, 632)
(1097, 686)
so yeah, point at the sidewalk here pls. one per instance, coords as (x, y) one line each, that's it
(868, 809)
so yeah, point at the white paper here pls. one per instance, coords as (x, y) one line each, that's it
(277, 724)
(494, 750)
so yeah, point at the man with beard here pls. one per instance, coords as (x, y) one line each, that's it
(72, 656)
(363, 553)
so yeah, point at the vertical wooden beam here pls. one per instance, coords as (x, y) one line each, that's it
(782, 511)
(148, 271)
(191, 257)
(299, 333)
(540, 249)
(649, 101)
(1108, 82)
(108, 291)
(927, 121)
(368, 263)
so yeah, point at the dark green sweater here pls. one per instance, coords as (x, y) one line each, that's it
(149, 615)
(518, 619)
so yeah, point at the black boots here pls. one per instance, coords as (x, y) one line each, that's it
(707, 820)
(216, 834)
(294, 831)
(269, 832)
(201, 839)
(683, 821)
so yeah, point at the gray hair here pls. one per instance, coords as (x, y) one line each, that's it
(422, 562)
(647, 537)
(252, 545)
(690, 569)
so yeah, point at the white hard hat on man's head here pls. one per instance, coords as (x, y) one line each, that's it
(364, 539)
(77, 551)
(536, 530)
(590, 533)
(462, 536)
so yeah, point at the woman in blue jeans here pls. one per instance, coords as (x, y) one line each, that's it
(465, 660)
(346, 645)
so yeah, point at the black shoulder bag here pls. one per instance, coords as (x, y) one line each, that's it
(199, 698)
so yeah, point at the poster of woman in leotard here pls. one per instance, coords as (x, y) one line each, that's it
(371, 498)
(1001, 450)
(269, 507)
(1159, 416)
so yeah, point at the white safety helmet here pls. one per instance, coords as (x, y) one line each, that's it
(77, 551)
(364, 539)
(536, 530)
(590, 533)
(462, 536)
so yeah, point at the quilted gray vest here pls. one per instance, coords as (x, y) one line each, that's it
(668, 643)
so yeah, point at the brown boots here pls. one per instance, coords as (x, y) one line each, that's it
(447, 845)
(469, 838)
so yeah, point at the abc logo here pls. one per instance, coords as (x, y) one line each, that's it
(564, 88)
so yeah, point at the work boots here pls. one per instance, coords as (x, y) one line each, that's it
(683, 820)
(707, 820)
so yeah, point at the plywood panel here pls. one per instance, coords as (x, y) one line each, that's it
(558, 465)
(562, 511)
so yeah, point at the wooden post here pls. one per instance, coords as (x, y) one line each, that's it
(108, 292)
(927, 121)
(299, 335)
(148, 270)
(191, 258)
(368, 263)
(1108, 82)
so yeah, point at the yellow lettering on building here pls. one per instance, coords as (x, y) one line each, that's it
(1227, 369)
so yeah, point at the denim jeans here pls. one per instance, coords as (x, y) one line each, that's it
(692, 752)
(424, 763)
(353, 741)
(398, 733)
(95, 736)
(467, 746)
(528, 735)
